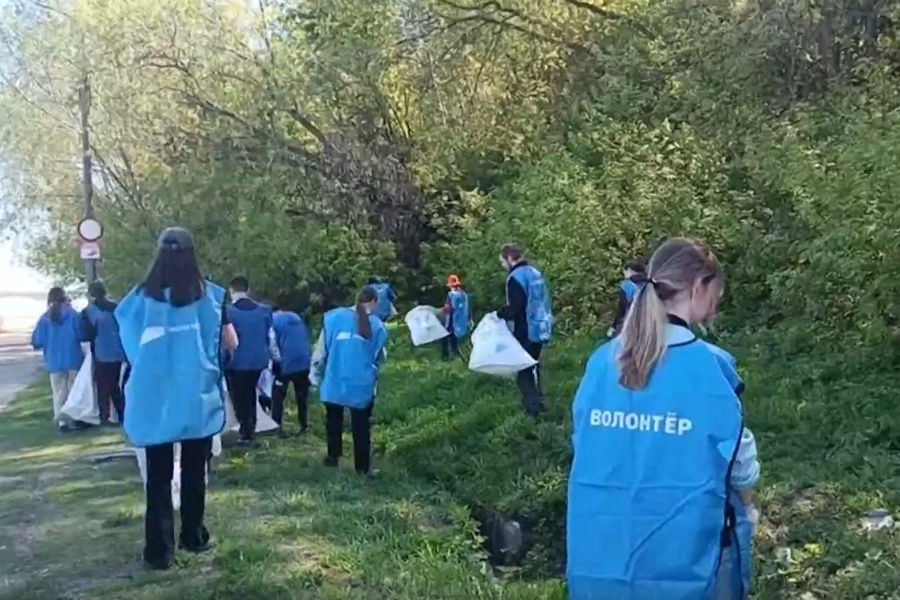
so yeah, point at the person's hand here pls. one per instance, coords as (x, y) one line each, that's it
(753, 516)
(610, 332)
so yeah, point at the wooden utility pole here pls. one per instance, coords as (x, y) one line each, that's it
(87, 167)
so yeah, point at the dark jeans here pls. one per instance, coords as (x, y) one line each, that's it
(109, 394)
(300, 381)
(450, 346)
(159, 520)
(361, 428)
(242, 389)
(529, 382)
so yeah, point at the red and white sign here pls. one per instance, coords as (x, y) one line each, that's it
(90, 230)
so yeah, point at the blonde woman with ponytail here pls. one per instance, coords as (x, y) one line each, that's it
(659, 503)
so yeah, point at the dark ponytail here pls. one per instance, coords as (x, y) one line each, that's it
(56, 297)
(365, 296)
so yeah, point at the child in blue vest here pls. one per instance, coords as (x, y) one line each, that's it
(173, 327)
(458, 318)
(100, 328)
(57, 335)
(384, 305)
(530, 317)
(627, 290)
(256, 347)
(345, 363)
(293, 368)
(659, 503)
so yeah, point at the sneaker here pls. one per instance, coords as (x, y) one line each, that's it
(63, 427)
(244, 443)
(330, 462)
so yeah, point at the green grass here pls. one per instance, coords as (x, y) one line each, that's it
(447, 440)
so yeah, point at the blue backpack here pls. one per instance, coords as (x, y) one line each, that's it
(538, 310)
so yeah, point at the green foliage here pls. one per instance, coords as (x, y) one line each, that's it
(447, 441)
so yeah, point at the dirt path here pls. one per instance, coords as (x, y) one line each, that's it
(18, 365)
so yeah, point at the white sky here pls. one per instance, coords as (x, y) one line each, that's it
(16, 277)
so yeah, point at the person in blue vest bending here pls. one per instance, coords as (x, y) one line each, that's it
(100, 328)
(627, 291)
(57, 335)
(458, 318)
(659, 501)
(345, 363)
(530, 316)
(173, 327)
(384, 306)
(254, 326)
(293, 368)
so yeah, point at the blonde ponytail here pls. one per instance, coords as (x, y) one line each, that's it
(675, 267)
(643, 338)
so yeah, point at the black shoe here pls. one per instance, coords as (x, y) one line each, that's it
(245, 443)
(63, 428)
(196, 546)
(330, 461)
(302, 433)
(158, 565)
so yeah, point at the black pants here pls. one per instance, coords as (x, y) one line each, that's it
(450, 346)
(529, 382)
(159, 520)
(300, 381)
(109, 394)
(242, 389)
(361, 428)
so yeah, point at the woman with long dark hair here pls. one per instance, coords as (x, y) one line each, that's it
(173, 327)
(345, 363)
(57, 335)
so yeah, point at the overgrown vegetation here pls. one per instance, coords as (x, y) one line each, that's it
(446, 440)
(311, 144)
(314, 143)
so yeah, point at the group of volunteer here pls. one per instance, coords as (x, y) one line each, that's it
(660, 490)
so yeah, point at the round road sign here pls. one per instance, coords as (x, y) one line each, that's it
(90, 230)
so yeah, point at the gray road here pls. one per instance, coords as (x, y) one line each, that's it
(18, 365)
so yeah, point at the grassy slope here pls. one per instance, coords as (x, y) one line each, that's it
(289, 528)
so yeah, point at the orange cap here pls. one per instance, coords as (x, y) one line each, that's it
(453, 281)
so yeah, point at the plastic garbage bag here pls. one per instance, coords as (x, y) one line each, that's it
(495, 351)
(265, 383)
(424, 325)
(263, 421)
(141, 455)
(81, 405)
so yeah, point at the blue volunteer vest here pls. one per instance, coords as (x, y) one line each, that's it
(252, 327)
(107, 346)
(459, 313)
(383, 304)
(293, 342)
(649, 495)
(60, 342)
(351, 363)
(174, 391)
(538, 312)
(630, 289)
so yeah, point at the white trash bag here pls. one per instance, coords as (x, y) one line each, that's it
(495, 351)
(424, 325)
(141, 454)
(263, 421)
(81, 404)
(266, 383)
